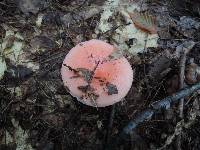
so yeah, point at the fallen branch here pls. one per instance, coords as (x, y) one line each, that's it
(149, 112)
(181, 83)
(185, 49)
(182, 77)
(164, 103)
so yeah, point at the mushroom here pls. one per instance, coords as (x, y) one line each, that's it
(94, 76)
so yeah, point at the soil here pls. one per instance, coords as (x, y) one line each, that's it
(36, 110)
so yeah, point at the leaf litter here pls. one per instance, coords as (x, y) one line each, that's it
(40, 98)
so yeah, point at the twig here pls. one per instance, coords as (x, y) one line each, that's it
(110, 125)
(150, 111)
(161, 104)
(184, 49)
(181, 77)
(181, 82)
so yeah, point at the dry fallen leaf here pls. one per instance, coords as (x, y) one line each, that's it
(144, 21)
(81, 72)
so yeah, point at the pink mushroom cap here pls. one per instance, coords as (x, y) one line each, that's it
(110, 82)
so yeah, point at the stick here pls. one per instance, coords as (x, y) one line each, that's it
(149, 112)
(164, 103)
(181, 79)
(184, 49)
(182, 75)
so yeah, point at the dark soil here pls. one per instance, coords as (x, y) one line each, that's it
(55, 120)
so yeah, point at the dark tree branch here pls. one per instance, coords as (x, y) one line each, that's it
(181, 83)
(149, 112)
(164, 103)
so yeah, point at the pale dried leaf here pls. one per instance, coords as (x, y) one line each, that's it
(144, 21)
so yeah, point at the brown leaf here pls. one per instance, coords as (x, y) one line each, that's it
(85, 88)
(144, 21)
(89, 93)
(81, 72)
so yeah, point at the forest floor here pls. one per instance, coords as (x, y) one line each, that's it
(37, 112)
